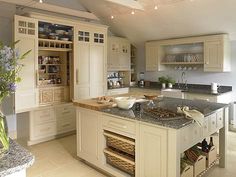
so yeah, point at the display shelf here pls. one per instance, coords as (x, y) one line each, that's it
(182, 63)
(56, 41)
(49, 64)
(55, 49)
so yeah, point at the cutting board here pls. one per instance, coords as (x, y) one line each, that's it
(92, 104)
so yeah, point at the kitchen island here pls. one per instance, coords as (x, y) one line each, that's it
(158, 144)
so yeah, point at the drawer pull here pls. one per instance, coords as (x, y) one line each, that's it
(66, 112)
(200, 159)
(45, 129)
(187, 169)
(117, 125)
(65, 125)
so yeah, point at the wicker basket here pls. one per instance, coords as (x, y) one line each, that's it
(120, 161)
(120, 142)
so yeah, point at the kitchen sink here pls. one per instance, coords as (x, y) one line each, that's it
(173, 93)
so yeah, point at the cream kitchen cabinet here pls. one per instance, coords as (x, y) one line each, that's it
(87, 124)
(47, 122)
(118, 54)
(90, 61)
(151, 56)
(225, 98)
(217, 54)
(153, 151)
(26, 31)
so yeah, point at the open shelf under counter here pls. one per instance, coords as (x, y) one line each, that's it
(182, 63)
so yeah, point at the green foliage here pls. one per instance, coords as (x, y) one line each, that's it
(10, 67)
(162, 79)
(170, 80)
(166, 80)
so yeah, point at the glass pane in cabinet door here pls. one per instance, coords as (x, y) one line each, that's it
(96, 40)
(22, 30)
(96, 35)
(101, 35)
(22, 23)
(86, 34)
(31, 32)
(86, 39)
(31, 25)
(81, 38)
(101, 41)
(81, 33)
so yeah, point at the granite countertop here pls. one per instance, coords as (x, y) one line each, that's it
(18, 159)
(192, 88)
(206, 108)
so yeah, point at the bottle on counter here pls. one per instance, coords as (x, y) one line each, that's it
(205, 146)
(211, 143)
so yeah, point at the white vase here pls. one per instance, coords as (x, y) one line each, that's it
(170, 85)
(163, 85)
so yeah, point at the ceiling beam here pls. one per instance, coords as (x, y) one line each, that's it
(128, 3)
(53, 8)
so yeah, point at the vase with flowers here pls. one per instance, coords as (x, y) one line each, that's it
(10, 67)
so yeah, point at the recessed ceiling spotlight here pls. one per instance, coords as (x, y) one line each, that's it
(40, 1)
(156, 7)
(112, 17)
(132, 12)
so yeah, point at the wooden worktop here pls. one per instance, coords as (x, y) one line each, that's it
(93, 104)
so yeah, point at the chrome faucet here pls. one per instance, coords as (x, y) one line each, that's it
(184, 81)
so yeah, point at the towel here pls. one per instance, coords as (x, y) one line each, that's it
(192, 114)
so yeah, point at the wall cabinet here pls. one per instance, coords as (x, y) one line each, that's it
(90, 62)
(209, 52)
(118, 54)
(26, 31)
(151, 56)
(216, 55)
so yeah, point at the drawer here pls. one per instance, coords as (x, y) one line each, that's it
(66, 126)
(205, 128)
(220, 119)
(114, 123)
(45, 130)
(43, 116)
(212, 124)
(190, 135)
(64, 111)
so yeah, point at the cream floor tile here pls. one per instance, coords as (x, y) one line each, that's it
(57, 158)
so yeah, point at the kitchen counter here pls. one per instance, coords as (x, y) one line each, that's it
(16, 160)
(206, 108)
(192, 88)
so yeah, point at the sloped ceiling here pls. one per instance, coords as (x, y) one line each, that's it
(171, 20)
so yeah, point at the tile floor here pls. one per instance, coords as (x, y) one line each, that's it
(58, 159)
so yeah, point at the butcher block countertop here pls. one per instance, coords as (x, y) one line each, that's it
(93, 104)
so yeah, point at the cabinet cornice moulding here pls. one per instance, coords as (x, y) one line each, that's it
(52, 8)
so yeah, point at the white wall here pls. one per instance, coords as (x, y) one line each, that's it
(7, 12)
(193, 77)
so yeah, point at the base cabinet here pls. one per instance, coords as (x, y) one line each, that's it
(87, 135)
(153, 152)
(48, 122)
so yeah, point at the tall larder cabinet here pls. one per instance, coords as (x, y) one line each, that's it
(26, 31)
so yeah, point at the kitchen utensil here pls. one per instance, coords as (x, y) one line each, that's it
(64, 39)
(214, 86)
(125, 102)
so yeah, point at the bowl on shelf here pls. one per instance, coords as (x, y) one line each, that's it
(125, 102)
(64, 39)
(60, 32)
